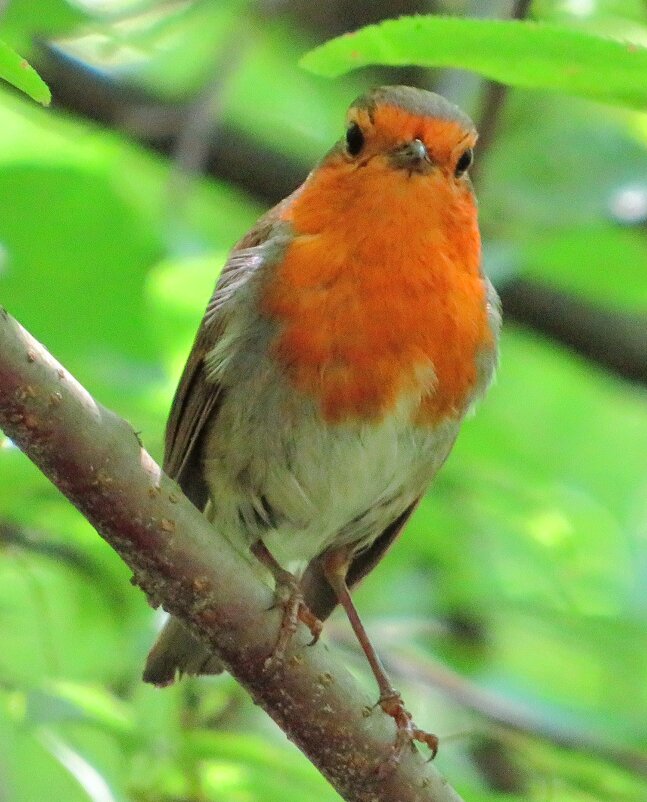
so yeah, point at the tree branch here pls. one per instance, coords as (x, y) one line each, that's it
(610, 339)
(229, 153)
(511, 715)
(180, 561)
(493, 97)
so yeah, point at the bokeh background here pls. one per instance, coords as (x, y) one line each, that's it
(513, 612)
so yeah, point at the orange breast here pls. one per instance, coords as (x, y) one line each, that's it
(380, 286)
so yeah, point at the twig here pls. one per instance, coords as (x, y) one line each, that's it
(494, 95)
(180, 561)
(231, 155)
(510, 715)
(493, 707)
(615, 341)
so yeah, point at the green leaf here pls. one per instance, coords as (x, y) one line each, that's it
(29, 770)
(18, 72)
(61, 699)
(524, 54)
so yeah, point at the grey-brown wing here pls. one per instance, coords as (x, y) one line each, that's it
(318, 594)
(197, 397)
(193, 405)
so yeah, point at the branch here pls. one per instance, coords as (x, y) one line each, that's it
(613, 340)
(509, 714)
(229, 153)
(180, 561)
(493, 99)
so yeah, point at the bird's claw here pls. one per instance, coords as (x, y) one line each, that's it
(290, 597)
(406, 732)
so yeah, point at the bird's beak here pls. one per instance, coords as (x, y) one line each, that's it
(412, 156)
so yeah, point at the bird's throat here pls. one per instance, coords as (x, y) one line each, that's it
(381, 302)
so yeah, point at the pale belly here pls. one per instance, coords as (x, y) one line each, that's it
(278, 472)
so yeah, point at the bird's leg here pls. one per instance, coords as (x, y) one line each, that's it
(290, 595)
(335, 568)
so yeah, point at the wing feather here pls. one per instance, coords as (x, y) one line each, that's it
(198, 397)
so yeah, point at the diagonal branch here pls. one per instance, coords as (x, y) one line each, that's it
(614, 340)
(179, 560)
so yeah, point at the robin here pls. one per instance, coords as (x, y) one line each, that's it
(348, 335)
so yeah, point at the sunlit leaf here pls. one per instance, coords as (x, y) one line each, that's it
(524, 54)
(17, 71)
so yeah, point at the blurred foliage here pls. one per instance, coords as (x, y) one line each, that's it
(513, 612)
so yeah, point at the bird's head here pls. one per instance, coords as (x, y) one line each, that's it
(403, 161)
(407, 129)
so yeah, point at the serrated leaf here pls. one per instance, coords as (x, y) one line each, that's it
(18, 72)
(519, 53)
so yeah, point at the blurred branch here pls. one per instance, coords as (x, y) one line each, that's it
(202, 127)
(180, 561)
(336, 17)
(509, 715)
(493, 99)
(226, 152)
(613, 340)
(26, 541)
(14, 535)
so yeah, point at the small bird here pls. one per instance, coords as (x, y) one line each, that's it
(348, 335)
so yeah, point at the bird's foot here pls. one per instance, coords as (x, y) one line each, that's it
(290, 597)
(407, 732)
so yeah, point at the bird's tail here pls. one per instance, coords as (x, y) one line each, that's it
(175, 652)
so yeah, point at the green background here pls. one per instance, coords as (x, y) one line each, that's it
(513, 613)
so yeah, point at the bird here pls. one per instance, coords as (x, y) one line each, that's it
(348, 336)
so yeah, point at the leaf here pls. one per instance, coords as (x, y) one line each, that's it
(520, 53)
(62, 699)
(18, 72)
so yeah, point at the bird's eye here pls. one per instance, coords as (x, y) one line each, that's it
(354, 139)
(464, 163)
